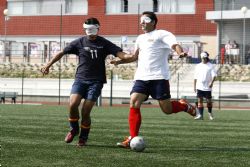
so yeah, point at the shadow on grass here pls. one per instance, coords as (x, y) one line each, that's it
(223, 149)
(97, 146)
(154, 149)
(113, 147)
(228, 149)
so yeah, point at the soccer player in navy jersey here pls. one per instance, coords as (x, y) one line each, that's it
(152, 75)
(90, 76)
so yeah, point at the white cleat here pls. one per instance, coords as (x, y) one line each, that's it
(198, 117)
(211, 116)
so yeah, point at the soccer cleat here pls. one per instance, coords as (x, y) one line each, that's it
(70, 136)
(125, 143)
(198, 117)
(81, 142)
(211, 116)
(190, 108)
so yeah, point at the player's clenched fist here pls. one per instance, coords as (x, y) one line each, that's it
(45, 70)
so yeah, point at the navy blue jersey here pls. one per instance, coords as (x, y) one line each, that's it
(92, 55)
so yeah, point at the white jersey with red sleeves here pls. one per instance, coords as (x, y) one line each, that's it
(204, 74)
(154, 48)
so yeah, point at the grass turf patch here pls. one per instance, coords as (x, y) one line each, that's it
(33, 136)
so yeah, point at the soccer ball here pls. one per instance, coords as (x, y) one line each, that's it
(137, 144)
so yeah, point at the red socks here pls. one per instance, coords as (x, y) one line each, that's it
(135, 117)
(134, 121)
(178, 107)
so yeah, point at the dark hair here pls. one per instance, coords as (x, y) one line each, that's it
(207, 53)
(207, 58)
(92, 20)
(151, 15)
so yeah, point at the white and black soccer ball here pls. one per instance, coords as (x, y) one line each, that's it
(137, 144)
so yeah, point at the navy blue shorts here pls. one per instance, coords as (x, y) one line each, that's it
(89, 90)
(205, 94)
(157, 89)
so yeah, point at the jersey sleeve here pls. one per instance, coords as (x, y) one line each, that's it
(168, 38)
(72, 48)
(111, 48)
(137, 42)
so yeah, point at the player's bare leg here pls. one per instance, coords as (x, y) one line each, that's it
(209, 108)
(200, 109)
(166, 106)
(75, 100)
(169, 107)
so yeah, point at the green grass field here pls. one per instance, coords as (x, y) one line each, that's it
(33, 136)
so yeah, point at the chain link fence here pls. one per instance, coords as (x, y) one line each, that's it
(33, 34)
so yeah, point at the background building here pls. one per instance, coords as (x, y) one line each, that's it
(233, 20)
(35, 29)
(31, 32)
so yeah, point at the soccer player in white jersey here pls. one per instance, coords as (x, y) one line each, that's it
(204, 78)
(152, 76)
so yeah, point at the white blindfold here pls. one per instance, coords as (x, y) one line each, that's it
(145, 19)
(90, 26)
(91, 29)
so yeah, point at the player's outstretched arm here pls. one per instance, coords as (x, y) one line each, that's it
(58, 56)
(125, 58)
